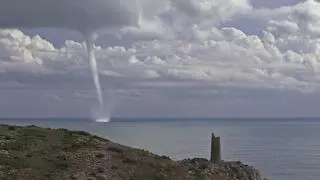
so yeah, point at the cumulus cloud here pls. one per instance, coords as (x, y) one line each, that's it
(217, 10)
(181, 44)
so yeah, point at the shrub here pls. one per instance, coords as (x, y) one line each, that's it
(165, 157)
(11, 128)
(129, 161)
(100, 155)
(115, 149)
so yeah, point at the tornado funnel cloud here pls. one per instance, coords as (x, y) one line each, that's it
(84, 16)
(89, 40)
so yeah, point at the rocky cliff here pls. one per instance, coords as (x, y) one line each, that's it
(34, 153)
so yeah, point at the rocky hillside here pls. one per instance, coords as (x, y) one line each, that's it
(34, 153)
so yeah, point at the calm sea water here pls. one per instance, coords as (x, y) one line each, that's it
(282, 149)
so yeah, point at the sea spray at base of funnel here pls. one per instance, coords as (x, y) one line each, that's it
(102, 120)
(105, 115)
(93, 67)
(101, 116)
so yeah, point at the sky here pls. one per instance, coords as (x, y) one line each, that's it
(170, 58)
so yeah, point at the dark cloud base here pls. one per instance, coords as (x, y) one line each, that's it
(81, 15)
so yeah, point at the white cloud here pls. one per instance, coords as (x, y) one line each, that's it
(218, 10)
(166, 52)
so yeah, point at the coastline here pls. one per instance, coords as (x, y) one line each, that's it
(32, 152)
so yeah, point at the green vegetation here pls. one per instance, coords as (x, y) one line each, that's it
(41, 152)
(34, 153)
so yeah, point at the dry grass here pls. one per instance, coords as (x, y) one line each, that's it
(33, 153)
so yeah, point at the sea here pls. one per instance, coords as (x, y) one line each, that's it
(282, 149)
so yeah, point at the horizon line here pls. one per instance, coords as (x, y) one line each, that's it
(165, 118)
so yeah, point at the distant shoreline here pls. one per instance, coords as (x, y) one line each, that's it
(165, 119)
